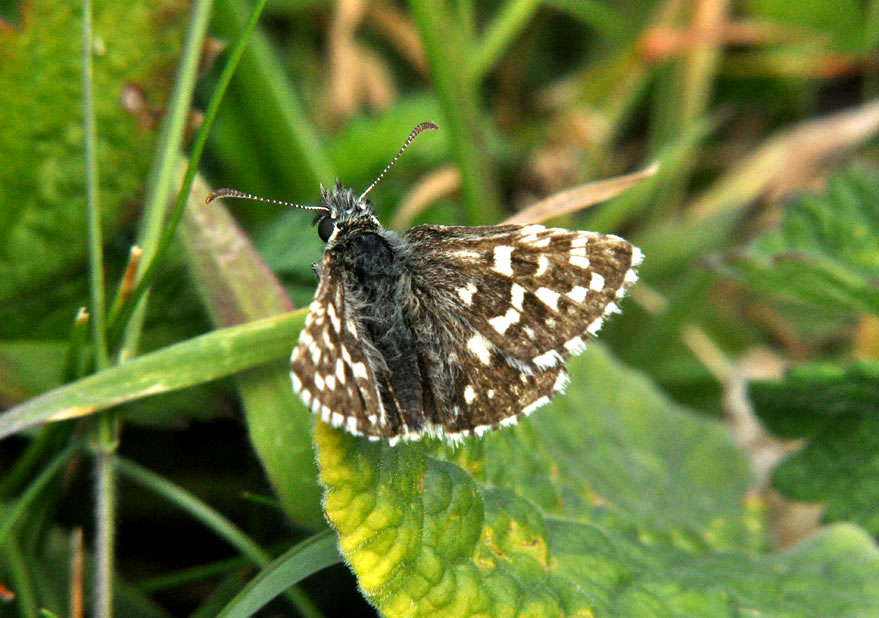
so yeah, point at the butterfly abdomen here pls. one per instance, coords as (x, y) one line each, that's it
(377, 278)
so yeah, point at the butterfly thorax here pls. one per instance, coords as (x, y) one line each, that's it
(376, 284)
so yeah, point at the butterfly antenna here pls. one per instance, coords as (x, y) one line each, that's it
(247, 196)
(424, 126)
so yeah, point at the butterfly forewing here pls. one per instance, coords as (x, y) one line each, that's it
(534, 293)
(329, 366)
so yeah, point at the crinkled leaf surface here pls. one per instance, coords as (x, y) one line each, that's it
(612, 501)
(825, 253)
(41, 139)
(837, 410)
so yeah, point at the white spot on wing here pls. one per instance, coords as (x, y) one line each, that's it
(340, 371)
(542, 265)
(595, 326)
(547, 360)
(359, 370)
(577, 294)
(502, 322)
(337, 419)
(596, 284)
(503, 260)
(548, 297)
(471, 255)
(543, 242)
(318, 381)
(510, 420)
(351, 425)
(466, 293)
(334, 318)
(517, 296)
(469, 394)
(479, 347)
(580, 261)
(331, 382)
(297, 383)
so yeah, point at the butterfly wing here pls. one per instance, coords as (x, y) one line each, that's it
(330, 368)
(520, 301)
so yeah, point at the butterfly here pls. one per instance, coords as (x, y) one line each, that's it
(446, 331)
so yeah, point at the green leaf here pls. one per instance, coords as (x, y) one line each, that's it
(41, 136)
(215, 355)
(837, 409)
(611, 501)
(825, 252)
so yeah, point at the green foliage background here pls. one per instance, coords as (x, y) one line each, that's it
(631, 495)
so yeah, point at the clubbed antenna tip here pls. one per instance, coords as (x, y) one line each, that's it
(424, 126)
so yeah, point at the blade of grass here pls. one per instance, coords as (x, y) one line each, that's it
(22, 578)
(510, 21)
(10, 515)
(201, 572)
(447, 52)
(105, 528)
(128, 312)
(47, 441)
(107, 427)
(306, 558)
(95, 236)
(202, 359)
(74, 360)
(201, 511)
(212, 519)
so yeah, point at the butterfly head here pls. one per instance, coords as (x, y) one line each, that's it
(343, 212)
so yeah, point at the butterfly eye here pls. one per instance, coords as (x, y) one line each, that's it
(325, 228)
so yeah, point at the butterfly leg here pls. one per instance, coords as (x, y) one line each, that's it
(316, 268)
